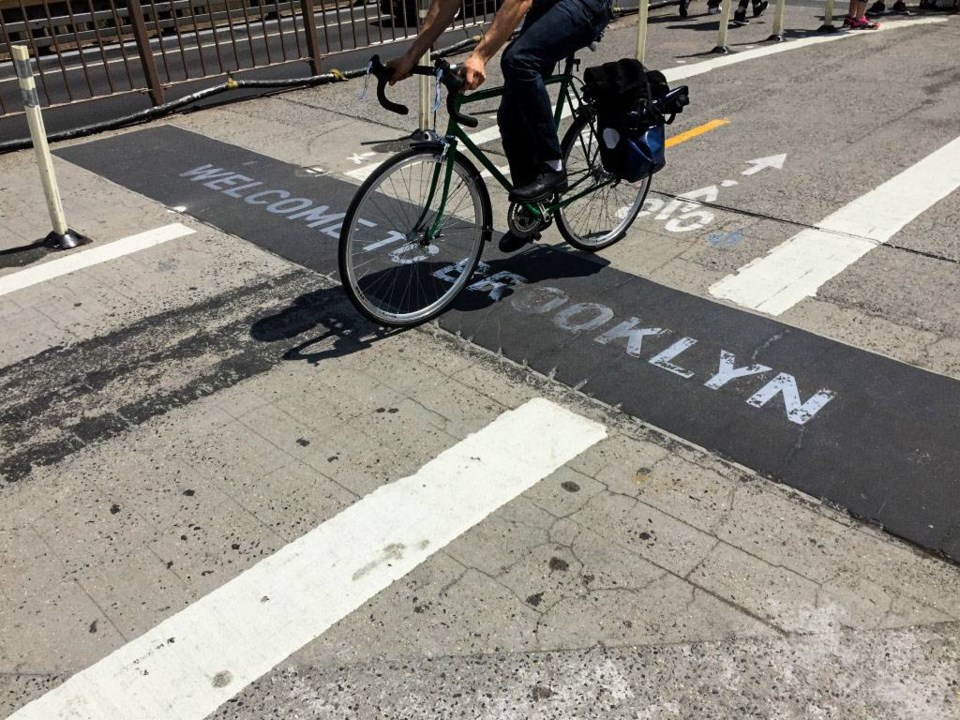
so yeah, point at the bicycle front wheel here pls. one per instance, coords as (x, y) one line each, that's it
(407, 247)
(606, 206)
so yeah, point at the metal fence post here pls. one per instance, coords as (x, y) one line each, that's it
(147, 61)
(721, 47)
(61, 237)
(310, 27)
(778, 22)
(642, 29)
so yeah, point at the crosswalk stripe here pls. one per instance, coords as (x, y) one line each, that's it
(193, 662)
(796, 269)
(94, 256)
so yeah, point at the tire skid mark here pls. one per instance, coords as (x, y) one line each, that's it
(65, 398)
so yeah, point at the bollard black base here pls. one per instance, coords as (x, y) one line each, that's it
(67, 241)
(775, 38)
(828, 28)
(421, 135)
(721, 50)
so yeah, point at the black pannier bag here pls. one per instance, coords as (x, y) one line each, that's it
(630, 121)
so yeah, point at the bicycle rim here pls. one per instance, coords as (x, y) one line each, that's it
(602, 216)
(393, 270)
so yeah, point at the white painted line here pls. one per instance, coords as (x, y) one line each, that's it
(681, 73)
(94, 256)
(490, 134)
(504, 170)
(362, 173)
(480, 137)
(797, 268)
(195, 661)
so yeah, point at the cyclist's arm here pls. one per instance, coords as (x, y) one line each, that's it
(504, 23)
(439, 16)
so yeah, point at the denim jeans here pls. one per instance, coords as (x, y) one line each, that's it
(552, 30)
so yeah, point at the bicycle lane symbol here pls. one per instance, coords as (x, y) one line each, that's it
(685, 212)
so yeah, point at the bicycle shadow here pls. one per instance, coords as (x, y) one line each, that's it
(342, 330)
(323, 325)
(501, 276)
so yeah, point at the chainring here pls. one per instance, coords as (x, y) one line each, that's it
(522, 222)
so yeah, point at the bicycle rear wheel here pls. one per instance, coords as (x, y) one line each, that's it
(391, 268)
(601, 217)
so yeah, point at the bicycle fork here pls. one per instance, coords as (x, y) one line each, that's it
(444, 167)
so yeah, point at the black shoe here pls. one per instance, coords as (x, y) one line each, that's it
(877, 9)
(900, 8)
(510, 242)
(740, 17)
(547, 183)
(684, 4)
(759, 7)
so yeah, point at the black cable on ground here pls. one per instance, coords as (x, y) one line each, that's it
(173, 105)
(233, 84)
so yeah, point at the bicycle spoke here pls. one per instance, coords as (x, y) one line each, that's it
(594, 219)
(391, 269)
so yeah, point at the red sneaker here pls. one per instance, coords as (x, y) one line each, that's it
(861, 23)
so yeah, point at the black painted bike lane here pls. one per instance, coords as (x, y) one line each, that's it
(873, 436)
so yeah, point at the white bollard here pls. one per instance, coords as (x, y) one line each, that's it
(725, 9)
(424, 86)
(642, 29)
(778, 22)
(828, 25)
(62, 237)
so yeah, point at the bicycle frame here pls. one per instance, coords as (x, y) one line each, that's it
(569, 96)
(456, 133)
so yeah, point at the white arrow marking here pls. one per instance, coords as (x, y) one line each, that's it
(358, 158)
(774, 161)
(797, 268)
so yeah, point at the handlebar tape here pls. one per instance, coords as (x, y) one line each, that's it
(453, 81)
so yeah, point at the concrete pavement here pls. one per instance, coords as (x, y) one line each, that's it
(174, 416)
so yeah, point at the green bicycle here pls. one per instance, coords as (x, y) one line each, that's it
(414, 232)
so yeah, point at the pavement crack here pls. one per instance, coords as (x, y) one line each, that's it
(523, 601)
(463, 572)
(706, 556)
(804, 225)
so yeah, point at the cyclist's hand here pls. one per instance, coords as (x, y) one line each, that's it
(474, 71)
(402, 67)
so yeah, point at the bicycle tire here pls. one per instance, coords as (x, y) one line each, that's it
(405, 282)
(601, 218)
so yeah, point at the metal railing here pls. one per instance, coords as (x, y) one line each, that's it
(86, 49)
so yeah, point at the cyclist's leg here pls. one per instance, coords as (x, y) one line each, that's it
(548, 37)
(523, 163)
(511, 115)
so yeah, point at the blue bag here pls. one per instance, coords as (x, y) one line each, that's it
(629, 124)
(633, 149)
